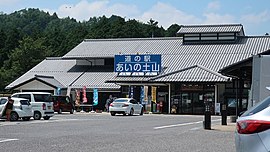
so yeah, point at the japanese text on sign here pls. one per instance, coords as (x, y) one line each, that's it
(137, 63)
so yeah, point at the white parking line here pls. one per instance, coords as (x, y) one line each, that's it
(6, 140)
(177, 125)
(184, 124)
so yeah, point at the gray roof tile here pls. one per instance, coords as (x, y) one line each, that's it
(210, 28)
(62, 76)
(175, 56)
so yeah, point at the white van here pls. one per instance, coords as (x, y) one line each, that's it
(41, 103)
(21, 109)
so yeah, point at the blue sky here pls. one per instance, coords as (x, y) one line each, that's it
(254, 15)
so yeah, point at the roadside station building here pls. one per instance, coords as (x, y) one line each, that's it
(195, 69)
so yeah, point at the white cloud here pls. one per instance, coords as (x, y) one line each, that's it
(84, 10)
(256, 18)
(215, 5)
(213, 18)
(167, 15)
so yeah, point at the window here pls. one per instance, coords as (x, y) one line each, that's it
(25, 96)
(3, 101)
(209, 36)
(133, 101)
(206, 37)
(24, 102)
(259, 107)
(42, 98)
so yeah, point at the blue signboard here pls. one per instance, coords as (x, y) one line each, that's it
(137, 63)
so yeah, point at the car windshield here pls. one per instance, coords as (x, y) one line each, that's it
(42, 97)
(258, 107)
(120, 100)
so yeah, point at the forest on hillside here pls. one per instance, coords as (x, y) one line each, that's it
(28, 36)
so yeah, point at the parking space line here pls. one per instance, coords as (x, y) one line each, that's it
(177, 125)
(184, 124)
(7, 140)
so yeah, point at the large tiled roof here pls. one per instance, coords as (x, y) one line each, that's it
(63, 73)
(95, 80)
(196, 73)
(175, 54)
(198, 62)
(237, 28)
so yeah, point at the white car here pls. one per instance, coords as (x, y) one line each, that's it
(253, 129)
(21, 109)
(125, 106)
(41, 103)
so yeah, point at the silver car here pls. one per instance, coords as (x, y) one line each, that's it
(125, 106)
(253, 129)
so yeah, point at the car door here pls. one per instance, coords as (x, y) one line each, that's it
(135, 105)
(25, 105)
(3, 102)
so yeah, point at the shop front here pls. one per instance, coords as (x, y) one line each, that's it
(191, 98)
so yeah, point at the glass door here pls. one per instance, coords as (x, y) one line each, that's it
(187, 103)
(198, 103)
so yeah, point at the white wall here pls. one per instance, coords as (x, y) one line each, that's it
(35, 85)
(260, 78)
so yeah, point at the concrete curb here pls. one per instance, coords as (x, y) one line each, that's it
(229, 127)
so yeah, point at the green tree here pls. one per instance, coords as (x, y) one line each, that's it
(153, 26)
(172, 30)
(28, 54)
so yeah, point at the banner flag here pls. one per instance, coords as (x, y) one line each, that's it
(84, 95)
(95, 97)
(145, 93)
(154, 94)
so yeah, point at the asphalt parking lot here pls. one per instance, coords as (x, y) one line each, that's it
(102, 132)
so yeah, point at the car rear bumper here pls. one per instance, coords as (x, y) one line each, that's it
(119, 109)
(48, 113)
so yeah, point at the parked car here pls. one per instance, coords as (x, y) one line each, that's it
(63, 104)
(125, 106)
(253, 129)
(21, 109)
(41, 103)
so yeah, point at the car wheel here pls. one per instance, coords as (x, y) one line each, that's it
(71, 111)
(46, 118)
(14, 116)
(26, 118)
(112, 113)
(141, 112)
(124, 114)
(60, 111)
(131, 112)
(37, 115)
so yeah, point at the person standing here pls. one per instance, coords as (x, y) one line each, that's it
(9, 107)
(108, 102)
